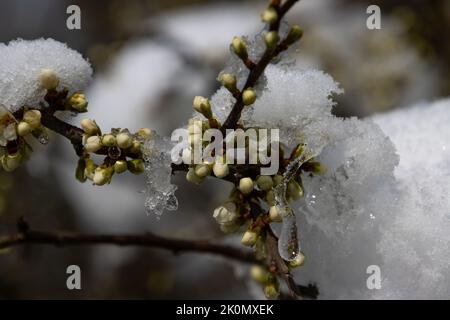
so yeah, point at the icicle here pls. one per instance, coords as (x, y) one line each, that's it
(288, 242)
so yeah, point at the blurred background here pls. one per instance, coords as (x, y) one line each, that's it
(150, 58)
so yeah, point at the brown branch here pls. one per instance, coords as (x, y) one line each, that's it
(258, 69)
(25, 235)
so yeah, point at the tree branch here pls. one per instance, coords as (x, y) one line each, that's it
(257, 71)
(25, 235)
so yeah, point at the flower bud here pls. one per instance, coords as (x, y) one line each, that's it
(227, 217)
(258, 273)
(220, 170)
(239, 48)
(246, 185)
(248, 96)
(294, 190)
(294, 34)
(124, 140)
(228, 80)
(270, 198)
(271, 39)
(48, 79)
(33, 118)
(203, 170)
(195, 126)
(135, 147)
(78, 102)
(274, 214)
(23, 128)
(277, 179)
(265, 183)
(80, 171)
(249, 238)
(9, 132)
(120, 166)
(109, 140)
(136, 166)
(192, 177)
(202, 106)
(269, 15)
(90, 127)
(93, 144)
(102, 176)
(11, 162)
(298, 261)
(144, 132)
(271, 291)
(89, 169)
(186, 156)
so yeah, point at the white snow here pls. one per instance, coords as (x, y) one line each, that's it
(21, 62)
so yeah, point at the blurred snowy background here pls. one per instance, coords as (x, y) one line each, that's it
(150, 58)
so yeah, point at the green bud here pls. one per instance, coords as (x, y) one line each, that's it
(294, 34)
(239, 48)
(33, 118)
(135, 147)
(191, 176)
(264, 183)
(277, 179)
(202, 105)
(271, 291)
(23, 128)
(136, 166)
(298, 261)
(203, 170)
(78, 102)
(144, 132)
(228, 80)
(270, 198)
(274, 214)
(294, 190)
(269, 15)
(248, 96)
(120, 166)
(102, 176)
(11, 162)
(258, 273)
(271, 39)
(108, 140)
(89, 169)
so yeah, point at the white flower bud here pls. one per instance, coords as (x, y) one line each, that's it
(239, 48)
(124, 140)
(226, 214)
(249, 238)
(246, 185)
(202, 106)
(258, 273)
(78, 102)
(93, 144)
(90, 127)
(23, 128)
(109, 140)
(203, 170)
(120, 166)
(298, 261)
(136, 166)
(265, 183)
(9, 132)
(269, 15)
(89, 169)
(101, 176)
(192, 177)
(248, 96)
(48, 79)
(195, 126)
(220, 170)
(274, 214)
(186, 156)
(229, 81)
(33, 118)
(144, 132)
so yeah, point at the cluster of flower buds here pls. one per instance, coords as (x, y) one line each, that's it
(122, 150)
(14, 149)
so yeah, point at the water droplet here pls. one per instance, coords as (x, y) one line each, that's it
(288, 244)
(371, 216)
(114, 152)
(43, 138)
